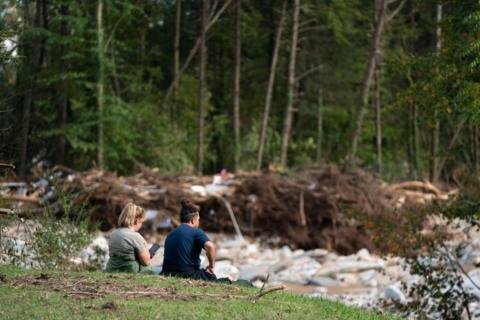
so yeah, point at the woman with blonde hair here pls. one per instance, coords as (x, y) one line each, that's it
(128, 249)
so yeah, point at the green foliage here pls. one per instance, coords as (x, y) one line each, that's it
(334, 38)
(56, 242)
(438, 293)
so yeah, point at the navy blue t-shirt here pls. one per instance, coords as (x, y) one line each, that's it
(182, 248)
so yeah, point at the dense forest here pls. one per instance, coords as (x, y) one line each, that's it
(197, 86)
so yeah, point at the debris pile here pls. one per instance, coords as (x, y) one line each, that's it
(305, 209)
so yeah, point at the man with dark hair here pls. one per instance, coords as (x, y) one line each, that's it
(184, 245)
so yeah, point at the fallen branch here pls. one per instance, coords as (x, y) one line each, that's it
(34, 200)
(427, 186)
(7, 165)
(272, 289)
(6, 211)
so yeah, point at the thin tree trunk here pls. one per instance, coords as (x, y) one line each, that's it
(456, 136)
(236, 86)
(319, 126)
(378, 111)
(176, 53)
(378, 89)
(27, 103)
(31, 86)
(271, 82)
(367, 79)
(201, 88)
(434, 165)
(63, 105)
(192, 53)
(100, 84)
(475, 146)
(291, 84)
(416, 142)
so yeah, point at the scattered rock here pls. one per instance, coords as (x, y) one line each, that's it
(319, 292)
(317, 253)
(369, 278)
(347, 278)
(394, 292)
(471, 283)
(302, 268)
(96, 252)
(252, 273)
(225, 269)
(3, 277)
(225, 254)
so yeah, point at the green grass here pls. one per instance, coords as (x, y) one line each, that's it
(22, 296)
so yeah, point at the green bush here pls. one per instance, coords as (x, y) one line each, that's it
(57, 241)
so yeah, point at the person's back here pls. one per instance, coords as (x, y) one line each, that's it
(184, 245)
(124, 246)
(128, 250)
(182, 249)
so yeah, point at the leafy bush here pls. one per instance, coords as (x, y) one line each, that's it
(49, 241)
(58, 241)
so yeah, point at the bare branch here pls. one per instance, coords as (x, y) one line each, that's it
(261, 294)
(396, 11)
(455, 262)
(191, 54)
(308, 72)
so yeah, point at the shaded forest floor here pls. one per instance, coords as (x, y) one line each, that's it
(54, 295)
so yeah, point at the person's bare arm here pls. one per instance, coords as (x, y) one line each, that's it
(144, 257)
(211, 254)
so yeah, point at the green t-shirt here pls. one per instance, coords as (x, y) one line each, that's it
(125, 242)
(124, 246)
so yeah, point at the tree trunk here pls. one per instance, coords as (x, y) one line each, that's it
(319, 126)
(176, 53)
(435, 141)
(236, 86)
(367, 79)
(291, 84)
(378, 111)
(100, 84)
(192, 53)
(63, 103)
(475, 146)
(201, 88)
(378, 89)
(416, 142)
(38, 48)
(271, 82)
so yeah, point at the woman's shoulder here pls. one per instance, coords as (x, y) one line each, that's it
(125, 232)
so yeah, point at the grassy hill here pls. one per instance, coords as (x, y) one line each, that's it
(26, 294)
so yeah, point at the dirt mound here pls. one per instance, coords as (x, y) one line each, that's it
(306, 211)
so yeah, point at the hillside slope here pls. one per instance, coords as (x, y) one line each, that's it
(26, 294)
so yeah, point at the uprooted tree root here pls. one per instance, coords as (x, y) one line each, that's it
(304, 212)
(90, 288)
